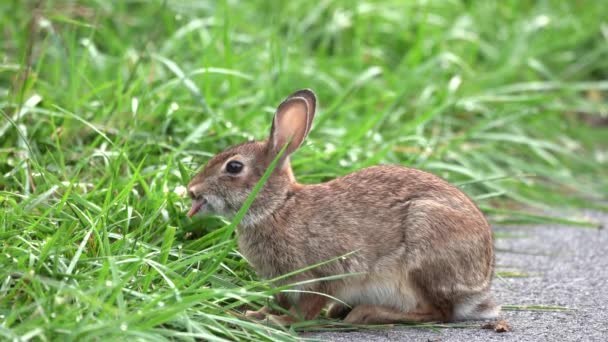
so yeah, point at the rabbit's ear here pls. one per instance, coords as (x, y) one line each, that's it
(292, 121)
(311, 101)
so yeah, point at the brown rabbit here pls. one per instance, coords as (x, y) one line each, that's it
(423, 249)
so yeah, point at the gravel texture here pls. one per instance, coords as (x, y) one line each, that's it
(566, 266)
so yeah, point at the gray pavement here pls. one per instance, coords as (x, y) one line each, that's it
(567, 267)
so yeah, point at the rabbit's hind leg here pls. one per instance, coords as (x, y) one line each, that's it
(376, 314)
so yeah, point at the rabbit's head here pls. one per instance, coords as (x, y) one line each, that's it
(225, 182)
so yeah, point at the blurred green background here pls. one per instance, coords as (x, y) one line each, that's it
(109, 107)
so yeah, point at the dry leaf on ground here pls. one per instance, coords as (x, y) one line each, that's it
(498, 326)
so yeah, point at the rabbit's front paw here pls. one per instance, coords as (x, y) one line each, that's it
(280, 320)
(257, 314)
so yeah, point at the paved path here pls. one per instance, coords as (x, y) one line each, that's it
(568, 267)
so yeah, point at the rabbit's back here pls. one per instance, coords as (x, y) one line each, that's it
(409, 234)
(381, 214)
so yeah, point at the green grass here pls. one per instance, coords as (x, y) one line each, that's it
(109, 107)
(534, 308)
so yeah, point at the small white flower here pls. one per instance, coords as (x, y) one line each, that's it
(454, 83)
(134, 105)
(44, 23)
(181, 191)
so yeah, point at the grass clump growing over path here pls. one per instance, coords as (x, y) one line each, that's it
(110, 107)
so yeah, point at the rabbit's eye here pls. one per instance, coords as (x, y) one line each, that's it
(234, 167)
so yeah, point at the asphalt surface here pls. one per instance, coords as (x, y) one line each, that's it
(566, 267)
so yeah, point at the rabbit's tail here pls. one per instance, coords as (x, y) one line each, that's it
(480, 306)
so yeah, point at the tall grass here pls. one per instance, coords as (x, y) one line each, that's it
(109, 107)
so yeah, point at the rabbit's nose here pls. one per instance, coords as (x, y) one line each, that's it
(195, 191)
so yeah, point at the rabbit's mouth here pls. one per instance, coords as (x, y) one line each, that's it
(197, 205)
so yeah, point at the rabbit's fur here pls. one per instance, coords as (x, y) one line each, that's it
(423, 249)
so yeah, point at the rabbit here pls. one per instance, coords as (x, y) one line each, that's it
(420, 249)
